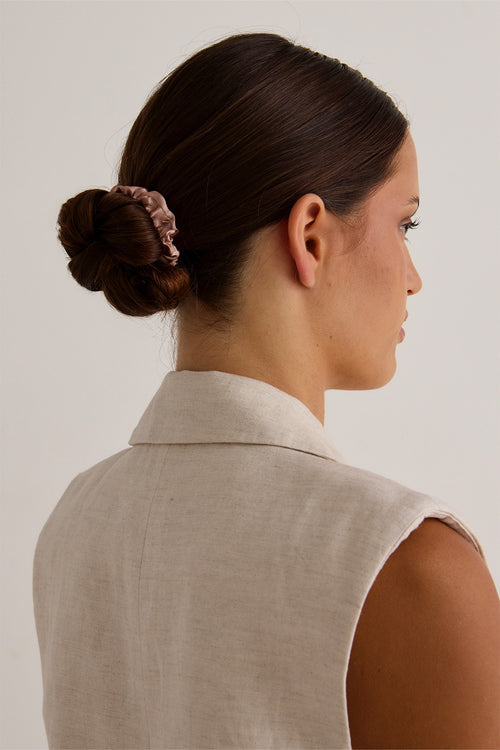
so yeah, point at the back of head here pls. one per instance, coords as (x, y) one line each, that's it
(231, 138)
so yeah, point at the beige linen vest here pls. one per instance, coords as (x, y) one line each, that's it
(201, 588)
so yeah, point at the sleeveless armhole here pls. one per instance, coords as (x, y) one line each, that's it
(448, 517)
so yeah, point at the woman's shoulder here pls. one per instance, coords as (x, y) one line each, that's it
(357, 480)
(373, 483)
(385, 505)
(426, 652)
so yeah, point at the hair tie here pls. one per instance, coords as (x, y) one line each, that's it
(155, 205)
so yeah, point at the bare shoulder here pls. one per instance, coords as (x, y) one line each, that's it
(424, 670)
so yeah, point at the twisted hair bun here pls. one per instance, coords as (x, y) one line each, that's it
(115, 248)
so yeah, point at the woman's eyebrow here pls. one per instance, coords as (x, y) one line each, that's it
(415, 199)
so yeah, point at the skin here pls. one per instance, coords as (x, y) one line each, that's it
(324, 300)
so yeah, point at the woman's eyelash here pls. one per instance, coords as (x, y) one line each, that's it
(411, 225)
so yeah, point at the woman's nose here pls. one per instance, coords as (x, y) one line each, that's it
(414, 280)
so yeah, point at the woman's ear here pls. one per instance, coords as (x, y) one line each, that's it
(306, 228)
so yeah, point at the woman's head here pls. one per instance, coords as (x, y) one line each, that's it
(232, 138)
(283, 168)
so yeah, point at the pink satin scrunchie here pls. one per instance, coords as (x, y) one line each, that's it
(162, 217)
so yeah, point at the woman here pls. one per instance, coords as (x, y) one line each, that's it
(228, 580)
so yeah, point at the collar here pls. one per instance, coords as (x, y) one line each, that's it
(211, 406)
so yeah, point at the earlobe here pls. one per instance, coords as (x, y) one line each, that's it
(305, 264)
(303, 236)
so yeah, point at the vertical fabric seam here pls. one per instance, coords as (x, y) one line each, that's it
(153, 498)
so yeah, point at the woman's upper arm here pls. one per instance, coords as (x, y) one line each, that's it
(424, 670)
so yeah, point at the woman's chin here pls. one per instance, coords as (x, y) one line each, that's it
(368, 373)
(377, 377)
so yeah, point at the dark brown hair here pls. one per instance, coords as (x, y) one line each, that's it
(231, 138)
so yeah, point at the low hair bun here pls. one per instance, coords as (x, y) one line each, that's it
(115, 248)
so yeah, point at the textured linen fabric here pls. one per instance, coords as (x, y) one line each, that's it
(201, 588)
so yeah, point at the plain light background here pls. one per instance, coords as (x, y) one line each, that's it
(77, 375)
